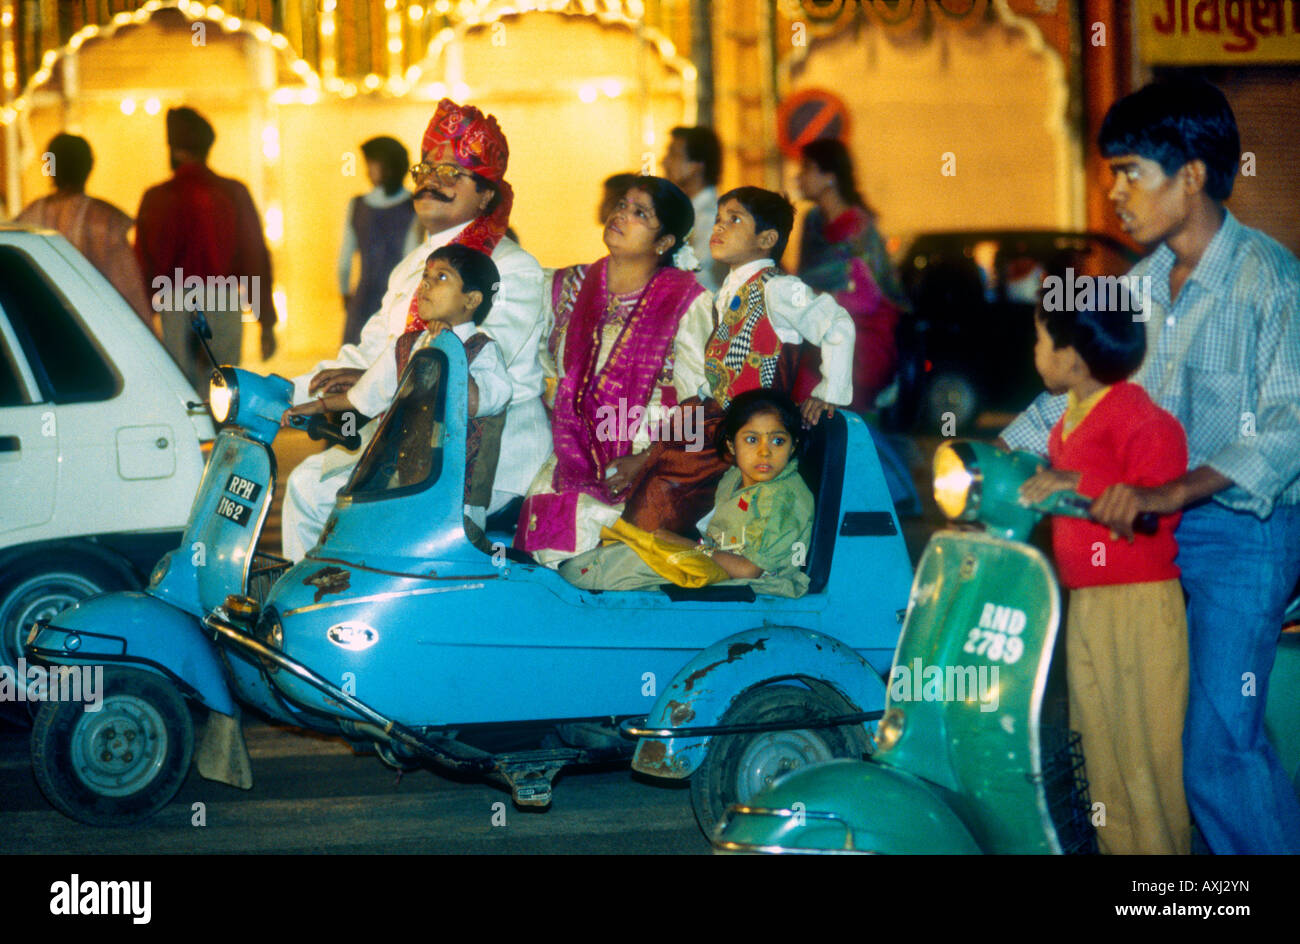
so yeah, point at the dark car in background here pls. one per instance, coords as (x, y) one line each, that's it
(967, 346)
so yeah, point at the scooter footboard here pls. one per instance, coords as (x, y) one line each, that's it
(136, 629)
(706, 687)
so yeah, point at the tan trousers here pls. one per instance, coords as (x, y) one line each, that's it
(1127, 657)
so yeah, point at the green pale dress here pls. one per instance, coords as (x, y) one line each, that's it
(768, 523)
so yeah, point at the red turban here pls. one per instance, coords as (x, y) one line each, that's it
(479, 146)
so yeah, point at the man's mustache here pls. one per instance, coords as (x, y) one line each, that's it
(428, 191)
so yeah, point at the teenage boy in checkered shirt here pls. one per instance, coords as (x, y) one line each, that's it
(1223, 356)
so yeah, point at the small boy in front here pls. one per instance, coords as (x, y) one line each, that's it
(455, 294)
(762, 318)
(1127, 632)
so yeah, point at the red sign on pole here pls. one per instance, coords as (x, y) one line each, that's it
(807, 115)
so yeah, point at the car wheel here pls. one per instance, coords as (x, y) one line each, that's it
(41, 588)
(951, 401)
(738, 766)
(121, 764)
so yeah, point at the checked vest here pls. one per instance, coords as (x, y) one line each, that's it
(744, 352)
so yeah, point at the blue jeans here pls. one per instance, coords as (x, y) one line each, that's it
(1238, 572)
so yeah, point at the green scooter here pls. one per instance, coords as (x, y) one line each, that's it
(962, 762)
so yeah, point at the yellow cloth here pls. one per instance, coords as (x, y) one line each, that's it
(686, 567)
(1076, 409)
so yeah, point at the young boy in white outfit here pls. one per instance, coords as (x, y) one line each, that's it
(455, 294)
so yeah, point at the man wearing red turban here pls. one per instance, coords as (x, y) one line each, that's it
(461, 196)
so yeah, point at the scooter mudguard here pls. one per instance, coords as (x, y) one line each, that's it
(846, 806)
(705, 688)
(136, 629)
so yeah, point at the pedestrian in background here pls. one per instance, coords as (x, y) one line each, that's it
(95, 227)
(694, 163)
(379, 226)
(205, 226)
(841, 252)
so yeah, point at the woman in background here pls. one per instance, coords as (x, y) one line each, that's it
(842, 253)
(379, 225)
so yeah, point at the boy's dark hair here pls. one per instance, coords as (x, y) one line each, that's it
(1173, 123)
(769, 210)
(392, 157)
(477, 271)
(702, 145)
(1111, 343)
(750, 404)
(72, 161)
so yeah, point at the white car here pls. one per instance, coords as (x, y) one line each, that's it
(100, 436)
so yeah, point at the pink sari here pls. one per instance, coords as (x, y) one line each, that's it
(590, 392)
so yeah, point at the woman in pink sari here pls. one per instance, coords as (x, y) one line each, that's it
(842, 253)
(626, 345)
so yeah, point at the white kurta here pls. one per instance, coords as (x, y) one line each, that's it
(798, 314)
(514, 323)
(314, 485)
(687, 356)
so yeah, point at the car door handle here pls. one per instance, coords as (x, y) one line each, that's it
(10, 444)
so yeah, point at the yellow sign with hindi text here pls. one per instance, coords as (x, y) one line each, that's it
(1199, 32)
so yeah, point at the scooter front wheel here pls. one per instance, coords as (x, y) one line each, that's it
(738, 766)
(122, 763)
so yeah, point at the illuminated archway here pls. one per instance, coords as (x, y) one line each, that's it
(914, 101)
(292, 133)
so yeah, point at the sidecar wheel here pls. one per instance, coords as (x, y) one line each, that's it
(738, 766)
(120, 765)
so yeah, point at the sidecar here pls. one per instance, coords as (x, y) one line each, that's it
(398, 631)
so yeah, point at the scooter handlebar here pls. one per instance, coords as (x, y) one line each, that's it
(318, 427)
(1074, 505)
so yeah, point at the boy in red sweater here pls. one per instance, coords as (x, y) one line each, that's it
(1127, 632)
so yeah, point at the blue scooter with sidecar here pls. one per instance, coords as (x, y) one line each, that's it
(397, 631)
(961, 772)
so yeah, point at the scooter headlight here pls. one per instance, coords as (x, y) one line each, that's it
(250, 401)
(977, 481)
(957, 480)
(223, 394)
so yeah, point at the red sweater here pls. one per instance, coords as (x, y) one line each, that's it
(1125, 438)
(204, 225)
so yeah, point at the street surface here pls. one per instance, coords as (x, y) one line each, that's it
(313, 795)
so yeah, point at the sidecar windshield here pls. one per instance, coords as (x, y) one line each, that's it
(405, 455)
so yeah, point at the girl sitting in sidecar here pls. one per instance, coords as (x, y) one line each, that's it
(761, 519)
